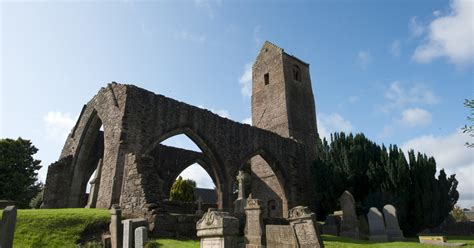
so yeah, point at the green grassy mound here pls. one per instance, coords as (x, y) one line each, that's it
(55, 227)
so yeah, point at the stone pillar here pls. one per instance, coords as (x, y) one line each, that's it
(376, 226)
(141, 236)
(349, 223)
(7, 227)
(239, 204)
(303, 223)
(254, 228)
(391, 223)
(199, 206)
(95, 184)
(218, 230)
(116, 226)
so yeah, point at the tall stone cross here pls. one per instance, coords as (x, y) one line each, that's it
(241, 177)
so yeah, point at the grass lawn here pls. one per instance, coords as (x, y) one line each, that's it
(54, 227)
(331, 242)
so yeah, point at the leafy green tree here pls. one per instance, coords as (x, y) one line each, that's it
(377, 175)
(18, 171)
(183, 190)
(458, 214)
(37, 200)
(469, 129)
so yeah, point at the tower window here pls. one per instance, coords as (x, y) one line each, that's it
(266, 77)
(296, 73)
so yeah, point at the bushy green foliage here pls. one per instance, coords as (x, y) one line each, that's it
(469, 129)
(458, 214)
(183, 190)
(37, 200)
(18, 171)
(377, 176)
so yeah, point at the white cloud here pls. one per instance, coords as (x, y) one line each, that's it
(416, 28)
(247, 121)
(452, 155)
(208, 5)
(222, 112)
(198, 174)
(245, 80)
(58, 125)
(450, 35)
(193, 37)
(415, 117)
(398, 96)
(331, 123)
(395, 48)
(364, 59)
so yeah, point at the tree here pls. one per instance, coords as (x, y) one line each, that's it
(377, 175)
(18, 171)
(183, 190)
(458, 214)
(469, 129)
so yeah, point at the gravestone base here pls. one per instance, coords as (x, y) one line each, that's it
(378, 238)
(254, 246)
(395, 235)
(280, 236)
(352, 235)
(331, 230)
(219, 242)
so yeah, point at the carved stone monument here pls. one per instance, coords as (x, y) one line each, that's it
(391, 223)
(7, 227)
(239, 203)
(281, 236)
(303, 223)
(217, 229)
(376, 226)
(349, 223)
(254, 228)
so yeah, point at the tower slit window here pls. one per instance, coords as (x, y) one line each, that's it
(296, 73)
(266, 78)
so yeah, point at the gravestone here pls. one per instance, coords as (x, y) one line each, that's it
(217, 229)
(129, 226)
(391, 223)
(303, 223)
(364, 232)
(280, 236)
(199, 206)
(349, 223)
(240, 202)
(141, 236)
(115, 226)
(330, 226)
(7, 227)
(376, 226)
(254, 234)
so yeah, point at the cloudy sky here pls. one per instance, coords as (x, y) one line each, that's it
(398, 71)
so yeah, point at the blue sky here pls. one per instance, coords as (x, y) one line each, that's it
(398, 71)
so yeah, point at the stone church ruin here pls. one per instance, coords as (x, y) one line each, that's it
(119, 131)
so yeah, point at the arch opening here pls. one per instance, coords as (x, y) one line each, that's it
(263, 183)
(185, 154)
(87, 165)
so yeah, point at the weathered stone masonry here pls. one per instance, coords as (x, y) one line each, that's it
(138, 171)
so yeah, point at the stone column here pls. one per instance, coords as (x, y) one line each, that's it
(239, 204)
(303, 223)
(7, 227)
(217, 229)
(116, 226)
(141, 236)
(254, 228)
(95, 184)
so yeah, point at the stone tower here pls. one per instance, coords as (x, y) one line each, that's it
(282, 97)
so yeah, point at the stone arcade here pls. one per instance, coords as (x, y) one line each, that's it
(119, 131)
